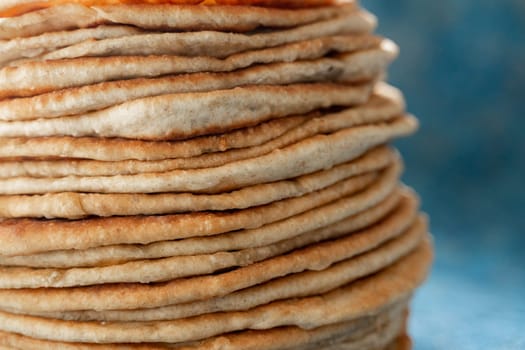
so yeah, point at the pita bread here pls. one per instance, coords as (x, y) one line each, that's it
(280, 271)
(107, 255)
(207, 43)
(223, 18)
(23, 48)
(273, 339)
(50, 148)
(146, 296)
(386, 101)
(147, 271)
(314, 125)
(347, 303)
(41, 236)
(162, 17)
(351, 66)
(307, 156)
(59, 18)
(56, 75)
(293, 286)
(182, 291)
(77, 205)
(194, 114)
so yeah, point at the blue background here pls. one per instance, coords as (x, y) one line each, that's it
(462, 68)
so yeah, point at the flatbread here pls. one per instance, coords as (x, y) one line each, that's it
(206, 43)
(72, 205)
(315, 257)
(277, 287)
(55, 75)
(161, 17)
(301, 284)
(59, 18)
(274, 339)
(182, 291)
(304, 157)
(194, 114)
(143, 296)
(386, 101)
(115, 149)
(353, 301)
(350, 66)
(41, 236)
(315, 124)
(107, 255)
(225, 18)
(23, 48)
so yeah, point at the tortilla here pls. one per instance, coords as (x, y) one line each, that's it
(385, 102)
(147, 271)
(206, 43)
(162, 17)
(347, 303)
(194, 114)
(301, 284)
(304, 157)
(108, 255)
(365, 331)
(314, 125)
(72, 205)
(352, 65)
(23, 48)
(35, 78)
(48, 235)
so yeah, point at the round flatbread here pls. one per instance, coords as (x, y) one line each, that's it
(343, 304)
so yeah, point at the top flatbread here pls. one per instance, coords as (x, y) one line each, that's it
(162, 17)
(207, 43)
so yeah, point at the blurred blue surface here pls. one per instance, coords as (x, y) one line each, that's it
(462, 69)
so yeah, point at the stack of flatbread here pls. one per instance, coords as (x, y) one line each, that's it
(202, 177)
